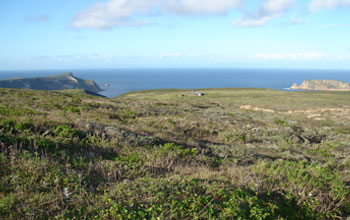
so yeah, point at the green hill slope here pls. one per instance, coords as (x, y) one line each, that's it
(165, 154)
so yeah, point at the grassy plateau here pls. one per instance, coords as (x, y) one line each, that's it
(166, 154)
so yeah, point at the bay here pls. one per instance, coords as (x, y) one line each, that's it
(127, 80)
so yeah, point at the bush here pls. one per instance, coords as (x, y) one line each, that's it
(148, 198)
(318, 188)
(67, 132)
(7, 124)
(27, 125)
(280, 122)
(73, 109)
(179, 150)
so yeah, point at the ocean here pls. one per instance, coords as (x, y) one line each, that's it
(127, 80)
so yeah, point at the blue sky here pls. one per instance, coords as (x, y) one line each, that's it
(61, 34)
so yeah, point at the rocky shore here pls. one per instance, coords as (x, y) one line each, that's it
(322, 85)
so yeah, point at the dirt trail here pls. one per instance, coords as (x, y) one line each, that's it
(255, 108)
(313, 112)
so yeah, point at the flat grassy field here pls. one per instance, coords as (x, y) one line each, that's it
(166, 154)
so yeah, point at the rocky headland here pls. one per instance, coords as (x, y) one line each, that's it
(322, 85)
(58, 82)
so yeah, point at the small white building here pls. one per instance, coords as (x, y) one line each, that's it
(196, 93)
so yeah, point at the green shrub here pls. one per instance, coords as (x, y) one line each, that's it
(161, 198)
(128, 166)
(215, 163)
(7, 124)
(75, 100)
(27, 125)
(15, 112)
(67, 131)
(131, 158)
(280, 122)
(344, 130)
(173, 123)
(125, 116)
(318, 188)
(178, 149)
(73, 109)
(242, 137)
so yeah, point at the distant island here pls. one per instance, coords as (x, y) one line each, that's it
(57, 82)
(322, 85)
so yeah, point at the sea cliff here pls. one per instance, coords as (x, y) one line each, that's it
(58, 82)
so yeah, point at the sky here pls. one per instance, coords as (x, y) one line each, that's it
(61, 34)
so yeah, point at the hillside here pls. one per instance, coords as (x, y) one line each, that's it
(59, 82)
(166, 154)
(322, 85)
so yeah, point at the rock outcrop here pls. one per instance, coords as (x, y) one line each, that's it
(322, 85)
(59, 82)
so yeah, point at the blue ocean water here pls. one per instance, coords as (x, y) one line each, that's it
(127, 80)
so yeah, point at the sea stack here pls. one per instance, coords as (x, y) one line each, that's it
(294, 86)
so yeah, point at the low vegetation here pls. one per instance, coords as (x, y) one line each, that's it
(164, 154)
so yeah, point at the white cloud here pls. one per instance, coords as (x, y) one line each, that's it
(290, 56)
(313, 55)
(77, 57)
(295, 20)
(170, 55)
(277, 6)
(253, 22)
(115, 13)
(270, 10)
(320, 5)
(112, 13)
(200, 7)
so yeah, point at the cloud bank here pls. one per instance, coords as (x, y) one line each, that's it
(115, 13)
(270, 10)
(321, 5)
(291, 56)
(137, 13)
(200, 7)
